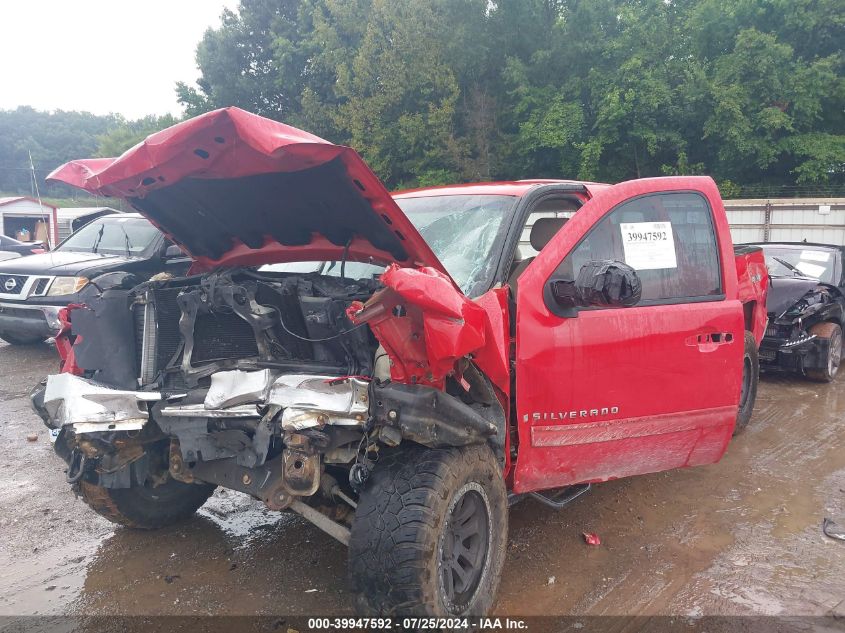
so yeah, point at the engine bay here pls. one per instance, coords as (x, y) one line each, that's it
(176, 333)
(257, 381)
(246, 319)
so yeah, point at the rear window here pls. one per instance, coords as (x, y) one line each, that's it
(817, 263)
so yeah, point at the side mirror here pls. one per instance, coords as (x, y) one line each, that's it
(172, 252)
(606, 283)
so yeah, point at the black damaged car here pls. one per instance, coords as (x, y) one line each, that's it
(806, 304)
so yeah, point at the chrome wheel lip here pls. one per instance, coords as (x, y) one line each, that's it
(445, 551)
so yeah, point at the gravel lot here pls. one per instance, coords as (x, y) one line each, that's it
(739, 537)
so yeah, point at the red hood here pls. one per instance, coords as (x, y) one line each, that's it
(233, 188)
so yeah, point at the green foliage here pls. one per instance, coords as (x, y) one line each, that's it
(78, 199)
(821, 157)
(57, 137)
(51, 139)
(729, 189)
(434, 91)
(126, 134)
(437, 91)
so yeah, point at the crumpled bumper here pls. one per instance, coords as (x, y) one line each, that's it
(305, 401)
(91, 407)
(797, 352)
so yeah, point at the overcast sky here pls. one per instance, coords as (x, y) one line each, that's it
(101, 55)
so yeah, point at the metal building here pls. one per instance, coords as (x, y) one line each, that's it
(22, 215)
(69, 219)
(819, 220)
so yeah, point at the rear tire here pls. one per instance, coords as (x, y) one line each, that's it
(13, 339)
(750, 378)
(146, 507)
(833, 333)
(430, 534)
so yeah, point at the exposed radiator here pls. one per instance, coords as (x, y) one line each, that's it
(217, 336)
(149, 338)
(222, 335)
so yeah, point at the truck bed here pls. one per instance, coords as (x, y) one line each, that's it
(752, 284)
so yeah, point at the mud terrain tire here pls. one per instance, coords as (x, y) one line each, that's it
(750, 379)
(13, 339)
(145, 507)
(423, 512)
(833, 333)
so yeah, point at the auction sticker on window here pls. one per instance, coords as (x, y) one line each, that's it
(649, 245)
(812, 270)
(815, 256)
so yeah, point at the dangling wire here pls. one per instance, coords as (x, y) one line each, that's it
(313, 340)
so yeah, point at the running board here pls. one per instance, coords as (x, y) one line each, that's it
(555, 499)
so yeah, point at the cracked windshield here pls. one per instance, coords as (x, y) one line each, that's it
(461, 231)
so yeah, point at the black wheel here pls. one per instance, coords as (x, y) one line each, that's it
(833, 333)
(14, 339)
(750, 378)
(146, 507)
(430, 534)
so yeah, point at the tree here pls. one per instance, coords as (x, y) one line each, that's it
(448, 90)
(54, 138)
(126, 134)
(765, 102)
(51, 139)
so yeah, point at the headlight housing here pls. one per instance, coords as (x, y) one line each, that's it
(62, 286)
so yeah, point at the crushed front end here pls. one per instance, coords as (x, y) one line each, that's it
(284, 385)
(272, 384)
(327, 395)
(789, 344)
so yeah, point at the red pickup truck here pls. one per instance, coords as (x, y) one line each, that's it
(421, 362)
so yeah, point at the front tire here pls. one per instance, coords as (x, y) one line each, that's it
(430, 534)
(833, 333)
(750, 378)
(146, 507)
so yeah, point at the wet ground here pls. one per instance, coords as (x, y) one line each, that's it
(739, 537)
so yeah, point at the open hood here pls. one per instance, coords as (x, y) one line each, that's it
(233, 188)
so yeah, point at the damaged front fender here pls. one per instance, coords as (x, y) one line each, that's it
(426, 324)
(429, 416)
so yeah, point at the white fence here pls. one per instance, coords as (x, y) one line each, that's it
(819, 220)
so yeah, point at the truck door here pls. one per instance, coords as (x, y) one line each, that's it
(608, 392)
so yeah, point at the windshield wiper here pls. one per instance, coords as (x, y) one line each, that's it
(127, 243)
(795, 271)
(96, 243)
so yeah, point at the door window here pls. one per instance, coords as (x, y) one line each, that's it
(668, 238)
